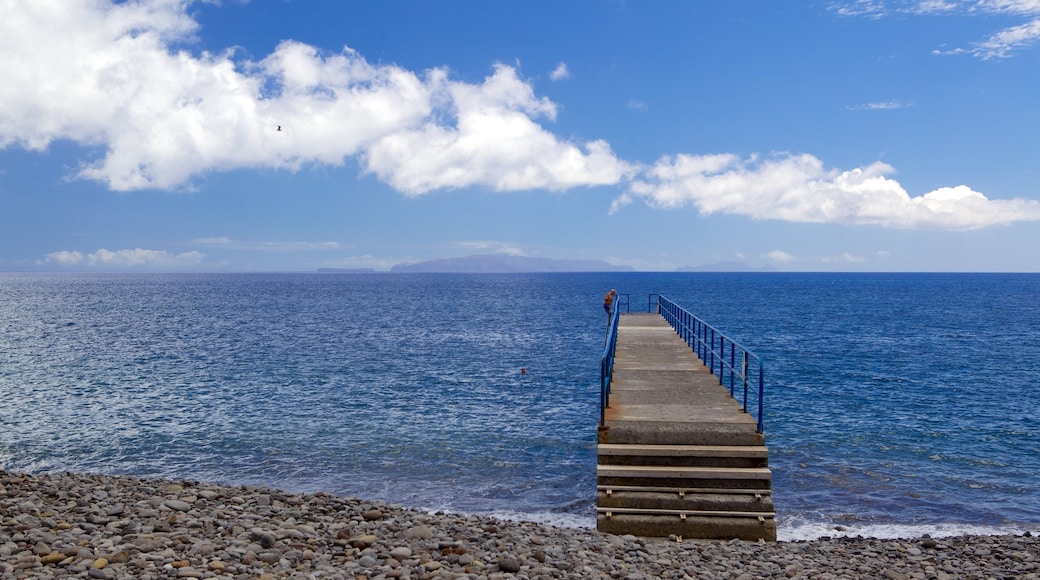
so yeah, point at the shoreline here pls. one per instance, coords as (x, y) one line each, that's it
(101, 526)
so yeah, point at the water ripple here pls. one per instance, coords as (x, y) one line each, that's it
(892, 399)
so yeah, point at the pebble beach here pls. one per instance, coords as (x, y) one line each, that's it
(100, 526)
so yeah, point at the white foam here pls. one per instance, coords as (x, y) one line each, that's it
(806, 530)
(795, 529)
(559, 520)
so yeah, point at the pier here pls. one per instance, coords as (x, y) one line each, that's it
(681, 445)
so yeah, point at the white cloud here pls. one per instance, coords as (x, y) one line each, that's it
(107, 75)
(297, 246)
(636, 105)
(363, 261)
(782, 257)
(860, 8)
(935, 6)
(64, 258)
(1011, 6)
(136, 258)
(880, 106)
(492, 246)
(494, 142)
(1002, 44)
(797, 188)
(881, 8)
(560, 72)
(292, 246)
(619, 202)
(217, 241)
(1005, 43)
(844, 258)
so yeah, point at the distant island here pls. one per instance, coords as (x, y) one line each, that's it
(505, 264)
(346, 270)
(723, 267)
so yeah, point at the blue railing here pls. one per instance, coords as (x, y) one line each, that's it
(606, 363)
(737, 367)
(621, 300)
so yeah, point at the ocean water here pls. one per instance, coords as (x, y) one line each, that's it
(896, 404)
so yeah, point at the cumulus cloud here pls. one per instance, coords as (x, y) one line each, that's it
(108, 76)
(136, 258)
(560, 72)
(780, 256)
(798, 188)
(494, 141)
(115, 78)
(64, 258)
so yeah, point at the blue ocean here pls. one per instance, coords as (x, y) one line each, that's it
(896, 404)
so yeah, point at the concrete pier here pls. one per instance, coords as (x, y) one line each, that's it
(677, 455)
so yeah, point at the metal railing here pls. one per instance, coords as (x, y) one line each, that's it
(726, 358)
(606, 363)
(622, 300)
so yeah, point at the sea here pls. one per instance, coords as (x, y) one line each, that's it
(896, 405)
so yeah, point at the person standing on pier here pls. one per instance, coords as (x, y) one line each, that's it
(608, 301)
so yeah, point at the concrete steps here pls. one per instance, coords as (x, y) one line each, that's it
(685, 455)
(693, 491)
(651, 425)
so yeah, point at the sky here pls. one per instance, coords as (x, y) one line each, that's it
(293, 135)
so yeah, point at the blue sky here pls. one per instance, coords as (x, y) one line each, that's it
(835, 136)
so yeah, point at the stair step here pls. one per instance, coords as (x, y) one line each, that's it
(683, 514)
(681, 491)
(699, 527)
(741, 451)
(663, 432)
(707, 501)
(666, 471)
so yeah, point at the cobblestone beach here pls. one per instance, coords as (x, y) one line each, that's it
(97, 526)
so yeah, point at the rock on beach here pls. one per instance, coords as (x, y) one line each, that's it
(109, 527)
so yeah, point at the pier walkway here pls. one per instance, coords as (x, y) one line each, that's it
(677, 454)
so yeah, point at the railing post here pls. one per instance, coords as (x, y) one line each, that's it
(761, 392)
(732, 363)
(700, 341)
(711, 353)
(743, 375)
(700, 337)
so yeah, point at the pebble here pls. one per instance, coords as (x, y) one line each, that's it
(178, 505)
(367, 561)
(151, 530)
(267, 540)
(508, 565)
